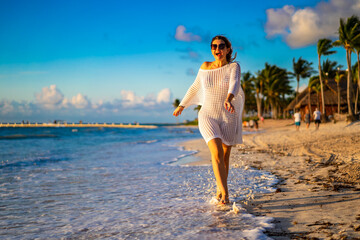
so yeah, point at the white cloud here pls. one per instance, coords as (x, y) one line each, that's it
(302, 27)
(80, 101)
(182, 35)
(25, 108)
(164, 96)
(6, 107)
(278, 20)
(50, 97)
(50, 103)
(130, 99)
(97, 105)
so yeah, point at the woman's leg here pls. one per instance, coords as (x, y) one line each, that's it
(227, 150)
(219, 166)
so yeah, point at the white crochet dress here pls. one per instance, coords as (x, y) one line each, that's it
(210, 90)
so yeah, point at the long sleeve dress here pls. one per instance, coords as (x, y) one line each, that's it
(210, 90)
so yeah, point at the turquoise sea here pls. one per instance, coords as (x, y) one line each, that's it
(103, 183)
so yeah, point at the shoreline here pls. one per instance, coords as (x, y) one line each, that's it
(319, 177)
(79, 125)
(202, 155)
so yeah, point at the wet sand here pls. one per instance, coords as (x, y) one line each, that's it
(318, 196)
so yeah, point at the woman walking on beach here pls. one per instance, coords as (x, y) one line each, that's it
(217, 88)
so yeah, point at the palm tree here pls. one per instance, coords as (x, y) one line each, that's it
(314, 84)
(349, 35)
(258, 85)
(247, 84)
(329, 69)
(197, 108)
(176, 103)
(276, 83)
(357, 49)
(302, 69)
(323, 49)
(355, 73)
(339, 76)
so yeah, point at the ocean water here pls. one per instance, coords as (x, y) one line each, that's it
(91, 183)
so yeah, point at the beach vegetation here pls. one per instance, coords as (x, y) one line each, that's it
(276, 86)
(324, 47)
(176, 103)
(247, 84)
(314, 85)
(355, 73)
(301, 69)
(349, 37)
(197, 108)
(255, 118)
(340, 76)
(194, 122)
(329, 69)
(258, 87)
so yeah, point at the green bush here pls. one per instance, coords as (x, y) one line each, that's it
(256, 118)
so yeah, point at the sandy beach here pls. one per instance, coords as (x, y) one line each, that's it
(318, 196)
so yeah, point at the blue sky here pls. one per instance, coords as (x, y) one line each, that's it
(125, 61)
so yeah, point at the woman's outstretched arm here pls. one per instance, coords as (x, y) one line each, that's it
(189, 96)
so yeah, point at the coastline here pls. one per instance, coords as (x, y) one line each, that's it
(202, 155)
(74, 125)
(319, 174)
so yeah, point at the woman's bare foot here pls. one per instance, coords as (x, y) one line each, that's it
(218, 195)
(224, 200)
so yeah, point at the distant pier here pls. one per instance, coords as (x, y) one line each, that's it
(77, 125)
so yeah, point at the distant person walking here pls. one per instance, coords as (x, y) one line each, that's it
(307, 118)
(317, 118)
(297, 118)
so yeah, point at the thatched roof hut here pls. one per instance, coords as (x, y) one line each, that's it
(330, 98)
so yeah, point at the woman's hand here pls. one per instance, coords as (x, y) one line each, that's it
(178, 111)
(228, 106)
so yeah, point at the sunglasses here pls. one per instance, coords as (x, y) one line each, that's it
(215, 46)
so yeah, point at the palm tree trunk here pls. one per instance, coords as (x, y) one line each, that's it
(357, 93)
(265, 108)
(278, 111)
(261, 99)
(349, 85)
(358, 60)
(322, 91)
(309, 100)
(258, 105)
(356, 100)
(318, 105)
(338, 92)
(273, 110)
(297, 89)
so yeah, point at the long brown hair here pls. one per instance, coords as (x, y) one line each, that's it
(229, 56)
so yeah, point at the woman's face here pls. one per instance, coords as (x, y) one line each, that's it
(219, 49)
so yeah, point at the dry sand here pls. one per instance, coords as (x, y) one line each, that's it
(318, 196)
